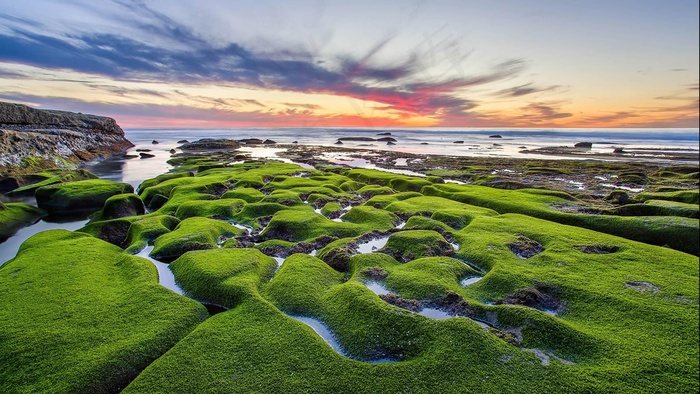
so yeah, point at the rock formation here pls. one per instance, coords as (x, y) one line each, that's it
(27, 134)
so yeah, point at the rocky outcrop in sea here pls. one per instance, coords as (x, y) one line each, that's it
(29, 134)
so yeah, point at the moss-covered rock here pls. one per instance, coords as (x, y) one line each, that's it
(14, 216)
(194, 233)
(223, 276)
(87, 195)
(122, 205)
(412, 244)
(79, 315)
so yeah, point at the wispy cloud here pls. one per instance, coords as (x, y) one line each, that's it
(523, 90)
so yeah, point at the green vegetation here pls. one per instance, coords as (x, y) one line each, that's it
(14, 216)
(192, 234)
(79, 195)
(560, 299)
(79, 315)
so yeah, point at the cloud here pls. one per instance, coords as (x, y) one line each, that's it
(523, 90)
(537, 112)
(173, 53)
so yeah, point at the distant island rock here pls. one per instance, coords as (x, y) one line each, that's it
(356, 139)
(211, 144)
(28, 135)
(583, 145)
(496, 136)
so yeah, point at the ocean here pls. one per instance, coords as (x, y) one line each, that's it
(475, 141)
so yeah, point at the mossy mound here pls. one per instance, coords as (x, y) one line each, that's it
(684, 196)
(14, 216)
(192, 234)
(79, 315)
(223, 276)
(87, 195)
(31, 182)
(676, 232)
(413, 244)
(121, 205)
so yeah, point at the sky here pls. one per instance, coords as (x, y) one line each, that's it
(437, 63)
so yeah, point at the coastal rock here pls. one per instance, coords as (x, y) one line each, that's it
(28, 133)
(154, 142)
(146, 155)
(251, 141)
(356, 139)
(79, 195)
(496, 136)
(211, 144)
(458, 142)
(269, 142)
(387, 133)
(583, 145)
(182, 142)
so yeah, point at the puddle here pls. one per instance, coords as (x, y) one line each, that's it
(470, 281)
(434, 313)
(9, 248)
(577, 185)
(322, 331)
(313, 252)
(455, 246)
(245, 228)
(631, 189)
(165, 276)
(401, 225)
(401, 162)
(373, 245)
(377, 288)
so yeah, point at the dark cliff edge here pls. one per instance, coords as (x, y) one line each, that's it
(29, 136)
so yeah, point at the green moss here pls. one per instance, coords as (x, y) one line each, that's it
(48, 177)
(372, 218)
(14, 216)
(428, 277)
(413, 244)
(283, 197)
(305, 225)
(161, 178)
(121, 205)
(684, 196)
(382, 201)
(194, 233)
(226, 208)
(223, 276)
(418, 222)
(351, 186)
(678, 233)
(247, 194)
(454, 214)
(79, 315)
(658, 208)
(80, 195)
(370, 191)
(331, 208)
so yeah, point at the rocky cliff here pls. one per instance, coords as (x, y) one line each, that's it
(27, 134)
